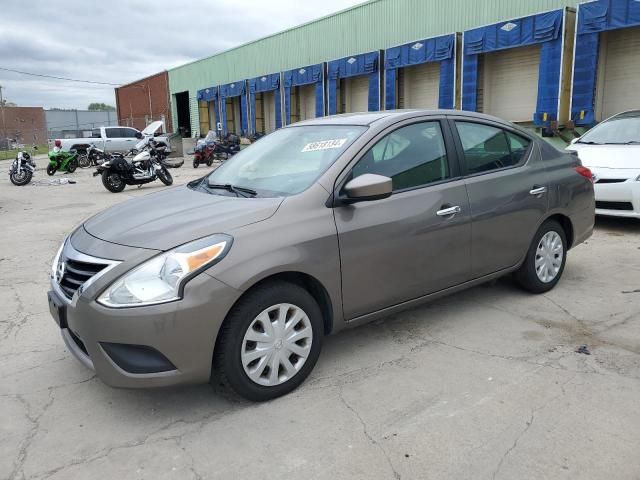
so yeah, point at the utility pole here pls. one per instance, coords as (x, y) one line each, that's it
(4, 127)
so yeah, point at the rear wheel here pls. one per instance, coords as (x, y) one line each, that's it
(51, 170)
(21, 178)
(112, 181)
(545, 260)
(84, 161)
(164, 176)
(196, 164)
(73, 164)
(269, 342)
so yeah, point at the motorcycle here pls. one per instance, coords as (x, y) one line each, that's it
(92, 157)
(61, 160)
(205, 150)
(145, 167)
(22, 168)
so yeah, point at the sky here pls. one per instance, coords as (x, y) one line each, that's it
(119, 41)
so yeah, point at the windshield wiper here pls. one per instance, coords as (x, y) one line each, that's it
(590, 143)
(240, 191)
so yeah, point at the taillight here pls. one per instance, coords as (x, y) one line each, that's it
(58, 143)
(585, 172)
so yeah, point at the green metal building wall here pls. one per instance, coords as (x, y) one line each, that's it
(374, 25)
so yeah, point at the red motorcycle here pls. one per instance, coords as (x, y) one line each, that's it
(205, 150)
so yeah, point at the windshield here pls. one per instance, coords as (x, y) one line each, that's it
(621, 130)
(287, 161)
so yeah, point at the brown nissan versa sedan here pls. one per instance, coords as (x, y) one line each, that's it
(320, 226)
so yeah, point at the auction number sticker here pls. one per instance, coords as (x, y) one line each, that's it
(324, 145)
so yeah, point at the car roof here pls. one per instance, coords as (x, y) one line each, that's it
(392, 116)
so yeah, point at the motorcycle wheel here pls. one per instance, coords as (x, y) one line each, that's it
(112, 181)
(209, 161)
(51, 170)
(73, 164)
(164, 176)
(195, 163)
(84, 161)
(21, 178)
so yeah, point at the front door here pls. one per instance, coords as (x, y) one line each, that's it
(507, 185)
(415, 242)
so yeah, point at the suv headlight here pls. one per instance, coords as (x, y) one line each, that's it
(161, 279)
(638, 179)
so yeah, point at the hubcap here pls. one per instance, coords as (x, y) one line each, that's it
(549, 257)
(276, 345)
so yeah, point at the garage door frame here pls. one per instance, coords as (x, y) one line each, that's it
(311, 74)
(440, 49)
(262, 84)
(545, 28)
(594, 18)
(352, 66)
(230, 90)
(209, 95)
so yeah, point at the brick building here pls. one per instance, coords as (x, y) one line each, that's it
(144, 100)
(25, 125)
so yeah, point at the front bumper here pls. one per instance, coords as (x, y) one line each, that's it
(621, 199)
(151, 346)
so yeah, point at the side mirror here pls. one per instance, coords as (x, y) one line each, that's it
(139, 135)
(35, 147)
(366, 188)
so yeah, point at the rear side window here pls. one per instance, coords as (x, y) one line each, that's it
(95, 133)
(488, 148)
(412, 156)
(113, 132)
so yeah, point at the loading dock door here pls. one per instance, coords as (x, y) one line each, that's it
(511, 83)
(307, 101)
(421, 84)
(618, 72)
(356, 94)
(269, 109)
(233, 115)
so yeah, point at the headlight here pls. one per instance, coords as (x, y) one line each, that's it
(56, 259)
(638, 179)
(161, 279)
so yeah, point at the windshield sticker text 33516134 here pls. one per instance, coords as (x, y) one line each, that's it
(324, 145)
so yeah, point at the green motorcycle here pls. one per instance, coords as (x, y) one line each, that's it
(61, 160)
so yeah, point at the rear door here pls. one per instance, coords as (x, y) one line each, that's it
(508, 187)
(113, 142)
(405, 246)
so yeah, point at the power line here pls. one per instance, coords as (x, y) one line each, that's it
(59, 78)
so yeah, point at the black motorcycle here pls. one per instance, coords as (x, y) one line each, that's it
(145, 167)
(92, 157)
(22, 168)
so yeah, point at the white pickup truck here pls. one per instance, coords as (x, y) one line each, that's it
(115, 139)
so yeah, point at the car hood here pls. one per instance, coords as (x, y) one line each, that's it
(608, 156)
(153, 127)
(166, 219)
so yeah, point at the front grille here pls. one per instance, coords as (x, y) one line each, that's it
(76, 273)
(614, 205)
(611, 180)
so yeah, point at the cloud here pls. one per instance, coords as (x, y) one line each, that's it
(121, 41)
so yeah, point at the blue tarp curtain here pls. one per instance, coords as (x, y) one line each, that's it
(544, 29)
(439, 49)
(235, 89)
(311, 74)
(209, 95)
(594, 18)
(266, 83)
(363, 64)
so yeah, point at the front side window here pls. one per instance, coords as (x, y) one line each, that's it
(412, 156)
(128, 132)
(286, 161)
(489, 148)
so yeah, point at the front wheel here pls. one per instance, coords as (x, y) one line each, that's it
(269, 342)
(21, 178)
(545, 260)
(84, 161)
(112, 181)
(51, 170)
(164, 176)
(196, 164)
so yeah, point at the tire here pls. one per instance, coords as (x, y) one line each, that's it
(84, 161)
(51, 170)
(112, 181)
(228, 363)
(164, 176)
(73, 164)
(537, 275)
(21, 180)
(209, 162)
(195, 163)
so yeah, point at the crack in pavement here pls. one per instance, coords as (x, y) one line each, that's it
(366, 433)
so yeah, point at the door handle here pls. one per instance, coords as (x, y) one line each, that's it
(107, 140)
(538, 190)
(449, 211)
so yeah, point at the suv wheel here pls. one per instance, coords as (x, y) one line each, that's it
(270, 341)
(545, 260)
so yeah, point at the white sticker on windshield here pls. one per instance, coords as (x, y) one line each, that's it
(324, 145)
